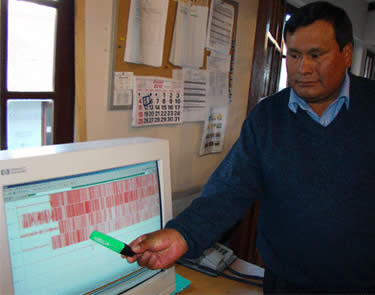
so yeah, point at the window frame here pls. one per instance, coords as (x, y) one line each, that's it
(63, 95)
(265, 71)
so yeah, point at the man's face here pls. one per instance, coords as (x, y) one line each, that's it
(316, 67)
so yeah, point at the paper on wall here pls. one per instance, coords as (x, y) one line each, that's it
(214, 131)
(195, 91)
(146, 32)
(218, 90)
(218, 62)
(220, 26)
(123, 89)
(189, 35)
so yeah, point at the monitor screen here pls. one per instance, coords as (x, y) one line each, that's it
(49, 221)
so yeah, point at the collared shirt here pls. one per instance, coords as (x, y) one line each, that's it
(331, 112)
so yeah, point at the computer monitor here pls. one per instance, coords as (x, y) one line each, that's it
(53, 197)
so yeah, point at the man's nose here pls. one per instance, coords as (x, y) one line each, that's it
(306, 64)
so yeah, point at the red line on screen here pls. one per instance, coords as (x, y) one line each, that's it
(39, 232)
(36, 247)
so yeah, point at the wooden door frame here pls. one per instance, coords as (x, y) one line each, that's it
(264, 81)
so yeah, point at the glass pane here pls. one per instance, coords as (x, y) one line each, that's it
(29, 122)
(31, 46)
(283, 80)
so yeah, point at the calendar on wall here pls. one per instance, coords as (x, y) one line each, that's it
(157, 101)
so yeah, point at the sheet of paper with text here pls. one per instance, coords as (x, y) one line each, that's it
(146, 32)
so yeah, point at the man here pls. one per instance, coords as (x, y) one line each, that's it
(311, 150)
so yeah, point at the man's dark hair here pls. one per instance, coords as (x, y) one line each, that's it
(322, 10)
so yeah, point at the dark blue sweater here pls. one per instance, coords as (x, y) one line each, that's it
(317, 216)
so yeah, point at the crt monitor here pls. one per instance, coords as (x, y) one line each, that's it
(53, 197)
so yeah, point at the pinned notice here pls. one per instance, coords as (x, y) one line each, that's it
(146, 32)
(189, 35)
(220, 26)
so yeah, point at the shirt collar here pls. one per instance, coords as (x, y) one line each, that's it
(295, 101)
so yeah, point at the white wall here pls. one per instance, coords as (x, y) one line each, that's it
(189, 171)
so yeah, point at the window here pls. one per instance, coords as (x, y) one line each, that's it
(37, 70)
(283, 80)
(369, 69)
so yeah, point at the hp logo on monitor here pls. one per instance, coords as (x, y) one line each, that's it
(5, 171)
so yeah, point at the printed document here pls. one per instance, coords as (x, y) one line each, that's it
(220, 26)
(195, 92)
(146, 32)
(218, 91)
(189, 35)
(123, 89)
(218, 62)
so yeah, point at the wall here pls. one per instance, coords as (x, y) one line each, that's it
(189, 171)
(370, 29)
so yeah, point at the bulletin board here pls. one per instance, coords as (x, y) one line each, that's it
(120, 24)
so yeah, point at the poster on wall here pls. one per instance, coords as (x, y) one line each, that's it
(157, 101)
(214, 131)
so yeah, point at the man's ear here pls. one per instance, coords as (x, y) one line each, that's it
(347, 52)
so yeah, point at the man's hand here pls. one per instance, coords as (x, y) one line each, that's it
(159, 249)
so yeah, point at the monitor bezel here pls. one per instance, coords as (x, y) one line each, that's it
(34, 164)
